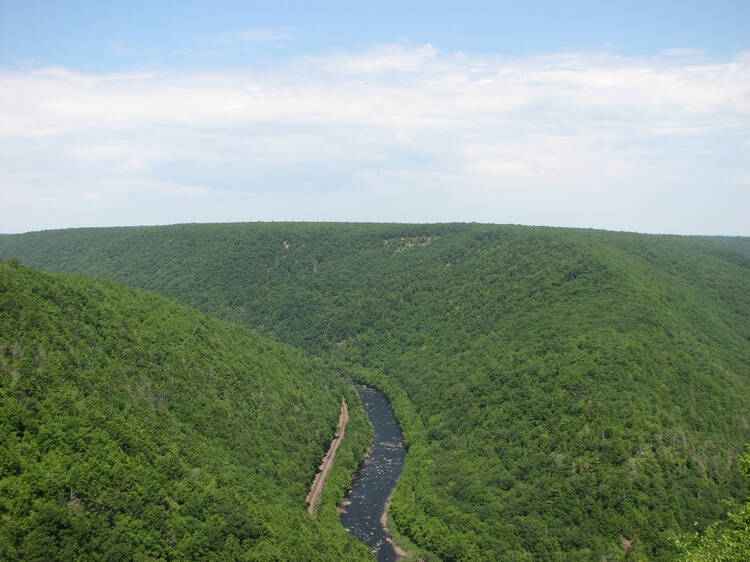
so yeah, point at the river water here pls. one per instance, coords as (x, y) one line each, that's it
(376, 477)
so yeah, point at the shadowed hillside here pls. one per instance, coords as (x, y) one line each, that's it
(573, 393)
(134, 427)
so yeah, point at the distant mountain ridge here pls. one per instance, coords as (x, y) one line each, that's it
(740, 244)
(580, 393)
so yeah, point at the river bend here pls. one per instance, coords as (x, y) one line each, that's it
(376, 478)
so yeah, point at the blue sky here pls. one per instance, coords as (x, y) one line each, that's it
(106, 35)
(627, 115)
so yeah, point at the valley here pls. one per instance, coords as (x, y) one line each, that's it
(134, 427)
(563, 393)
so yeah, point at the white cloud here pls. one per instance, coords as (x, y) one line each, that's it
(119, 49)
(243, 37)
(380, 60)
(681, 52)
(484, 135)
(261, 34)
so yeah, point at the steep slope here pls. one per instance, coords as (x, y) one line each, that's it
(728, 540)
(575, 393)
(135, 427)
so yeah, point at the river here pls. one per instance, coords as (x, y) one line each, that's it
(376, 478)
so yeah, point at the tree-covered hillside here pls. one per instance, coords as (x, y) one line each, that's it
(136, 428)
(566, 393)
(727, 540)
(740, 244)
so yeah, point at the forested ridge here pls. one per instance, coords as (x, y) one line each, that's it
(136, 428)
(740, 244)
(566, 394)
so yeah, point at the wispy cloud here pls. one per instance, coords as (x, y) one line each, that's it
(119, 49)
(681, 52)
(248, 36)
(260, 35)
(392, 133)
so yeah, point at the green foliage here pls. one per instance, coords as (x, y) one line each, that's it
(739, 244)
(566, 394)
(723, 541)
(357, 439)
(132, 427)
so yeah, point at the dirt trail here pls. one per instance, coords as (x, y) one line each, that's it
(325, 468)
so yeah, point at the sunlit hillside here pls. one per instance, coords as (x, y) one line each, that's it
(578, 394)
(135, 428)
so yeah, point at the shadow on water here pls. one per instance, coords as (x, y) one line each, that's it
(376, 477)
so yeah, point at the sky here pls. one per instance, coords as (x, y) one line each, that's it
(616, 115)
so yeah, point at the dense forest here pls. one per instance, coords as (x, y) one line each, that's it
(565, 394)
(725, 540)
(740, 244)
(136, 428)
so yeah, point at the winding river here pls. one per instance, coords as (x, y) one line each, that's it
(376, 478)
